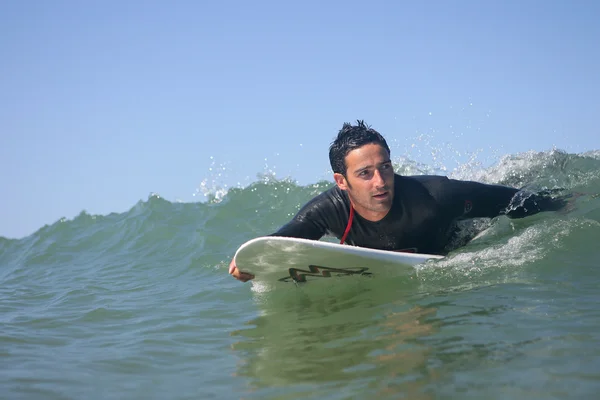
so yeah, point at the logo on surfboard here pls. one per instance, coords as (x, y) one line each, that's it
(299, 275)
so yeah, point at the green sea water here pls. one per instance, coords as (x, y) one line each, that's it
(139, 305)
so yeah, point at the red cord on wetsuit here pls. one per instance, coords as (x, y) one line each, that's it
(349, 224)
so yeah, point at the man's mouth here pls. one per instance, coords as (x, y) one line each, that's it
(381, 195)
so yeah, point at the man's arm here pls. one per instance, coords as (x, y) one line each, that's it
(467, 199)
(308, 223)
(526, 203)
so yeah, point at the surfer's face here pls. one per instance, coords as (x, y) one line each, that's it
(369, 181)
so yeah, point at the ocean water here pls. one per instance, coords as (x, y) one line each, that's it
(139, 305)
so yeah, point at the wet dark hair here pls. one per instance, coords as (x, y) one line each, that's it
(349, 138)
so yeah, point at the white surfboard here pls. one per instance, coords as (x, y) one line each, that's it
(283, 260)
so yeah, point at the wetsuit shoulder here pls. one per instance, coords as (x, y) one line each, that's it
(433, 183)
(326, 213)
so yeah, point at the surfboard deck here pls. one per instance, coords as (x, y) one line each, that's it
(283, 260)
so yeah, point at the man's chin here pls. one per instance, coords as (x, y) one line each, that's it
(382, 206)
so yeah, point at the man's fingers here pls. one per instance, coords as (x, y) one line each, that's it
(241, 276)
(245, 277)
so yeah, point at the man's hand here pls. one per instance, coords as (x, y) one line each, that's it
(237, 274)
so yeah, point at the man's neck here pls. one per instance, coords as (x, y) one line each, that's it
(369, 215)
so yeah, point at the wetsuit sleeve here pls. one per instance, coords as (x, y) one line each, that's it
(526, 203)
(466, 199)
(310, 222)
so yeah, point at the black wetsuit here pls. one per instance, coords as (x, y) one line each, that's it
(423, 214)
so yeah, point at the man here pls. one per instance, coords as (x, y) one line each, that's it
(371, 206)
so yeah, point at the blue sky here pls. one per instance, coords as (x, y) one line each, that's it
(102, 103)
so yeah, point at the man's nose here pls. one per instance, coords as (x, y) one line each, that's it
(379, 181)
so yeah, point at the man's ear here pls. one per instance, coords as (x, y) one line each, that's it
(340, 180)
